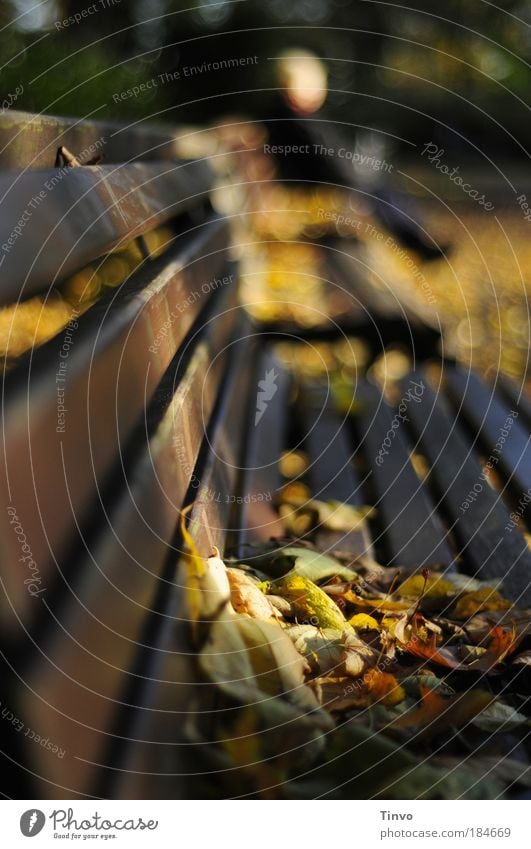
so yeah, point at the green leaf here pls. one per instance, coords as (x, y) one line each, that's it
(310, 603)
(363, 765)
(311, 564)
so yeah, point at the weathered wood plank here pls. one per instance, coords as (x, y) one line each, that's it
(217, 496)
(505, 441)
(51, 465)
(152, 738)
(476, 513)
(411, 527)
(266, 440)
(31, 141)
(57, 221)
(331, 473)
(75, 679)
(349, 262)
(516, 396)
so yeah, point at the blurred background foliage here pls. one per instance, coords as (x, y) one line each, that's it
(455, 73)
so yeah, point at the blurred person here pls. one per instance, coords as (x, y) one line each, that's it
(300, 138)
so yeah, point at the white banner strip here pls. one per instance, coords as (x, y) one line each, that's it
(266, 825)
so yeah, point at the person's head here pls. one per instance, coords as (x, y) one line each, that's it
(303, 79)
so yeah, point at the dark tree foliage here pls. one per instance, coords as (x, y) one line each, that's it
(446, 72)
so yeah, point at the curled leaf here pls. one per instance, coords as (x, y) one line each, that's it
(256, 662)
(383, 687)
(298, 511)
(329, 650)
(429, 650)
(247, 598)
(503, 641)
(337, 694)
(523, 659)
(310, 603)
(467, 584)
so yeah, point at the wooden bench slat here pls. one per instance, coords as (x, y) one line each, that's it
(348, 263)
(73, 684)
(505, 440)
(331, 473)
(489, 550)
(516, 396)
(68, 217)
(114, 364)
(381, 301)
(152, 737)
(217, 496)
(266, 440)
(31, 141)
(412, 530)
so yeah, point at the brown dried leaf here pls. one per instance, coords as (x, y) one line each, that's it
(437, 713)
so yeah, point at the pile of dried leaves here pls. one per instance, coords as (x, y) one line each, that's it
(334, 676)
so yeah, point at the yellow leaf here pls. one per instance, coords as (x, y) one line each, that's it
(310, 603)
(363, 620)
(195, 571)
(436, 586)
(336, 516)
(482, 600)
(385, 604)
(389, 623)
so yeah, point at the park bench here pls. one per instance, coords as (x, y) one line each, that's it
(160, 396)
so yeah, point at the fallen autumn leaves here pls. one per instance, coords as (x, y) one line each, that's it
(332, 676)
